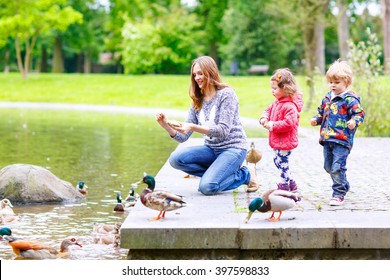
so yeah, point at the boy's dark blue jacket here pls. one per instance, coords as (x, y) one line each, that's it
(333, 115)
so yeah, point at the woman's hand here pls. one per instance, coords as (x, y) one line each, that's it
(184, 127)
(313, 122)
(161, 119)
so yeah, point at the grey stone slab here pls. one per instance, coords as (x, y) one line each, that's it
(216, 222)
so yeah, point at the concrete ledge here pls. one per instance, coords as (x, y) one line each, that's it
(212, 227)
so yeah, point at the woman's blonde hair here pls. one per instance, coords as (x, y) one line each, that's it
(211, 80)
(286, 81)
(340, 70)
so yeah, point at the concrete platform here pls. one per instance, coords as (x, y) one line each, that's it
(212, 227)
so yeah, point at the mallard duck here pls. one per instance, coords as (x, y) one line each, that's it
(82, 188)
(6, 207)
(39, 251)
(120, 206)
(5, 231)
(253, 155)
(275, 201)
(158, 199)
(105, 228)
(131, 198)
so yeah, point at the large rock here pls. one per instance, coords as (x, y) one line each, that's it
(25, 183)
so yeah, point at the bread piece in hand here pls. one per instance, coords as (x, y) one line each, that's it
(173, 123)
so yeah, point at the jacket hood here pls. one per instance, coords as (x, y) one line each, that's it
(298, 101)
(343, 96)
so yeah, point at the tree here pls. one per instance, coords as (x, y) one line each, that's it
(343, 28)
(165, 43)
(386, 33)
(121, 12)
(211, 13)
(26, 20)
(256, 33)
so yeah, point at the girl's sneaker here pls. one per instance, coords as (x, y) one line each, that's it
(336, 201)
(284, 187)
(293, 186)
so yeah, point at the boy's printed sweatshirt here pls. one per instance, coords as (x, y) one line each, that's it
(333, 115)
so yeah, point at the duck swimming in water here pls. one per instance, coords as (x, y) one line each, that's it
(39, 251)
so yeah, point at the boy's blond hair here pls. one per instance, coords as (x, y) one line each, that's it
(340, 70)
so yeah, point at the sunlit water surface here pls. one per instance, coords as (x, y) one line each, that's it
(108, 151)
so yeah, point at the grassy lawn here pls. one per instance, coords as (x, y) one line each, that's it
(165, 91)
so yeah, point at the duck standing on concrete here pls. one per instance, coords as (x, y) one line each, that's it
(158, 199)
(82, 188)
(275, 201)
(39, 251)
(253, 155)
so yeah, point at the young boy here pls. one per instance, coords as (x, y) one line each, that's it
(339, 115)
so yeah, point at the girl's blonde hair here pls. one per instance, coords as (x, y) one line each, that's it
(211, 80)
(286, 81)
(340, 70)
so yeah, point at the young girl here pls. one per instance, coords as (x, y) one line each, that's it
(214, 112)
(281, 118)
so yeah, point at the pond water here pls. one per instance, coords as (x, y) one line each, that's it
(108, 151)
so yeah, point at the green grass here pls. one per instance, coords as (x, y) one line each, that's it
(164, 91)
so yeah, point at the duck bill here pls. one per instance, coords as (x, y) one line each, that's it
(248, 217)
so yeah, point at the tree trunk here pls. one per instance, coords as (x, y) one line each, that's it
(58, 60)
(386, 33)
(44, 65)
(19, 58)
(6, 60)
(320, 44)
(214, 52)
(343, 28)
(79, 63)
(312, 18)
(87, 63)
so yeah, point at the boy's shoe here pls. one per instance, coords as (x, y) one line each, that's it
(336, 201)
(284, 187)
(293, 186)
(253, 184)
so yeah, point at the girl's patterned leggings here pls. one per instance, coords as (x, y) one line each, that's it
(281, 162)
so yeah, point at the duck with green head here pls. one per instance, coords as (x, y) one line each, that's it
(5, 231)
(82, 188)
(120, 206)
(132, 197)
(275, 201)
(159, 200)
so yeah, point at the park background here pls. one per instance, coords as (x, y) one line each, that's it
(159, 39)
(138, 54)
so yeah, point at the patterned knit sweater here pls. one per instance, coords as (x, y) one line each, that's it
(221, 114)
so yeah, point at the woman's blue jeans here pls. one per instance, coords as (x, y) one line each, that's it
(220, 169)
(335, 161)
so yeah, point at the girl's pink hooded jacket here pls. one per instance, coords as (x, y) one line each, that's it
(284, 113)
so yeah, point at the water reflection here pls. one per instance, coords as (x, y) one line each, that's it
(107, 151)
